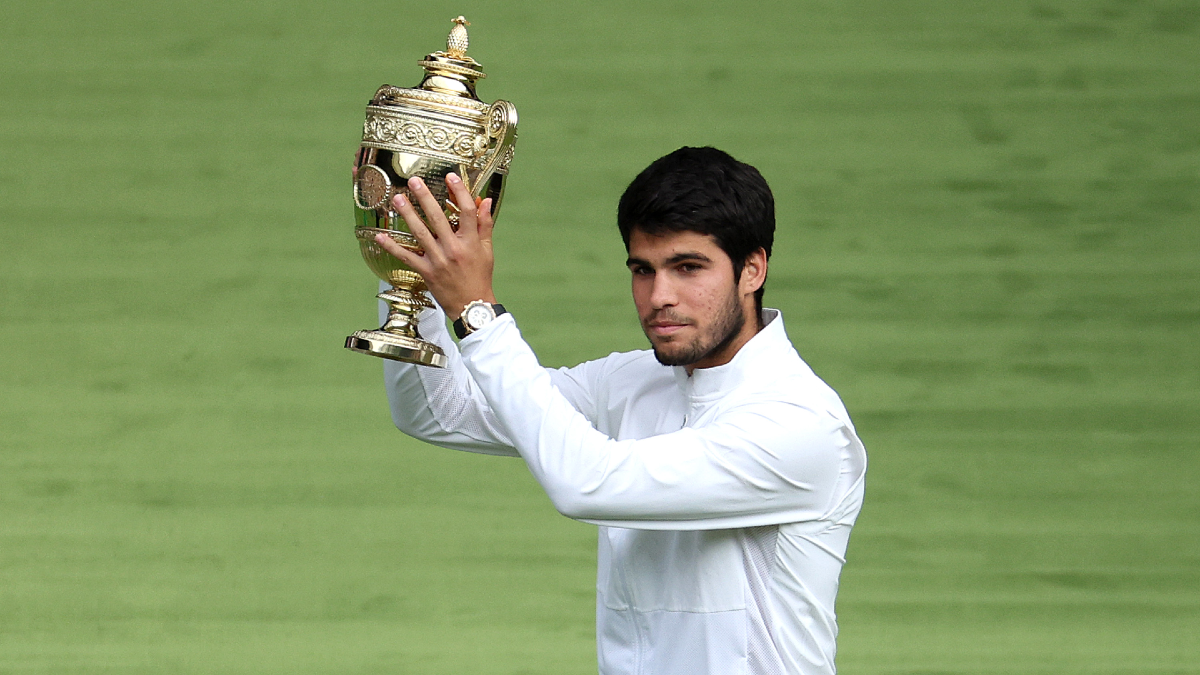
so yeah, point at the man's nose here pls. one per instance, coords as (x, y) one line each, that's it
(663, 292)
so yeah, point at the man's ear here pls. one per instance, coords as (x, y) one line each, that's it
(754, 272)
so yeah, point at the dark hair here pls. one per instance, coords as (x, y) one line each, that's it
(702, 190)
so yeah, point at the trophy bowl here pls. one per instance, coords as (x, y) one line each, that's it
(438, 127)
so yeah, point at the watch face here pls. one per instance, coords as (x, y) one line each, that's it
(478, 316)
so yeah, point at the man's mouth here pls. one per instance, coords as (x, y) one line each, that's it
(665, 327)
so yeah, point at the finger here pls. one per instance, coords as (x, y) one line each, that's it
(416, 226)
(436, 218)
(465, 203)
(411, 258)
(486, 221)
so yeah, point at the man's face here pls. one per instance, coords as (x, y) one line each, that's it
(691, 307)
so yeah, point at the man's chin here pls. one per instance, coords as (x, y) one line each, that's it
(675, 357)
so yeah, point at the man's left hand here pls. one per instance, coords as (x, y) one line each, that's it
(456, 265)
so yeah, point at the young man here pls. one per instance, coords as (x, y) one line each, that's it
(724, 475)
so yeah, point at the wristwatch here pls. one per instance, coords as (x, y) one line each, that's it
(476, 315)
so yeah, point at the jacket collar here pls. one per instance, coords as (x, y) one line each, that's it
(755, 357)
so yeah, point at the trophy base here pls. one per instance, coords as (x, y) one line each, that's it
(397, 348)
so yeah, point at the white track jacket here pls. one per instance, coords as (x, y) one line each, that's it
(725, 499)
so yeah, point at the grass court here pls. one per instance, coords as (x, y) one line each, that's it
(988, 243)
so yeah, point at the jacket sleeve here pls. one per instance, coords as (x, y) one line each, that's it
(445, 407)
(761, 462)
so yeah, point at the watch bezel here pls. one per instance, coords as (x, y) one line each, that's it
(473, 322)
(462, 329)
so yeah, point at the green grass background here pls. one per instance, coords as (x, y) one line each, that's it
(988, 243)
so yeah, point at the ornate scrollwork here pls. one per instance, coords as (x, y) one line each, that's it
(508, 155)
(463, 146)
(496, 122)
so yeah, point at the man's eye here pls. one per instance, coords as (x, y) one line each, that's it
(641, 271)
(689, 268)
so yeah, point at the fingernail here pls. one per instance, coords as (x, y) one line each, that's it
(415, 183)
(400, 200)
(453, 178)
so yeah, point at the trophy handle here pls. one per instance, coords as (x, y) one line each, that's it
(502, 129)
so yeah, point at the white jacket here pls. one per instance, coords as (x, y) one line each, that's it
(725, 498)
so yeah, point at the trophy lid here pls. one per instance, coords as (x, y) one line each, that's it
(449, 82)
(452, 71)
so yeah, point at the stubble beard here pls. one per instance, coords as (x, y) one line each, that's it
(724, 329)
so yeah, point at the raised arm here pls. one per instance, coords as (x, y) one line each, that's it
(445, 407)
(442, 406)
(758, 463)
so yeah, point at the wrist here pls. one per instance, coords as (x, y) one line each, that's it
(455, 312)
(475, 316)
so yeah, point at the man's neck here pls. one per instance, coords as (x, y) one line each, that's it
(725, 353)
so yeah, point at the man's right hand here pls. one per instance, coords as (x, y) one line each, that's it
(456, 265)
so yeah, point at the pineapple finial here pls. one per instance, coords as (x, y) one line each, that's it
(456, 43)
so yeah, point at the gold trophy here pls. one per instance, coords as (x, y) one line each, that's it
(438, 127)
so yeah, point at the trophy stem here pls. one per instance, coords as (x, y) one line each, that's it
(398, 339)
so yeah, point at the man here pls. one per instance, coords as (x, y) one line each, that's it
(724, 475)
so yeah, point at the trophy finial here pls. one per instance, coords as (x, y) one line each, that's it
(456, 43)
